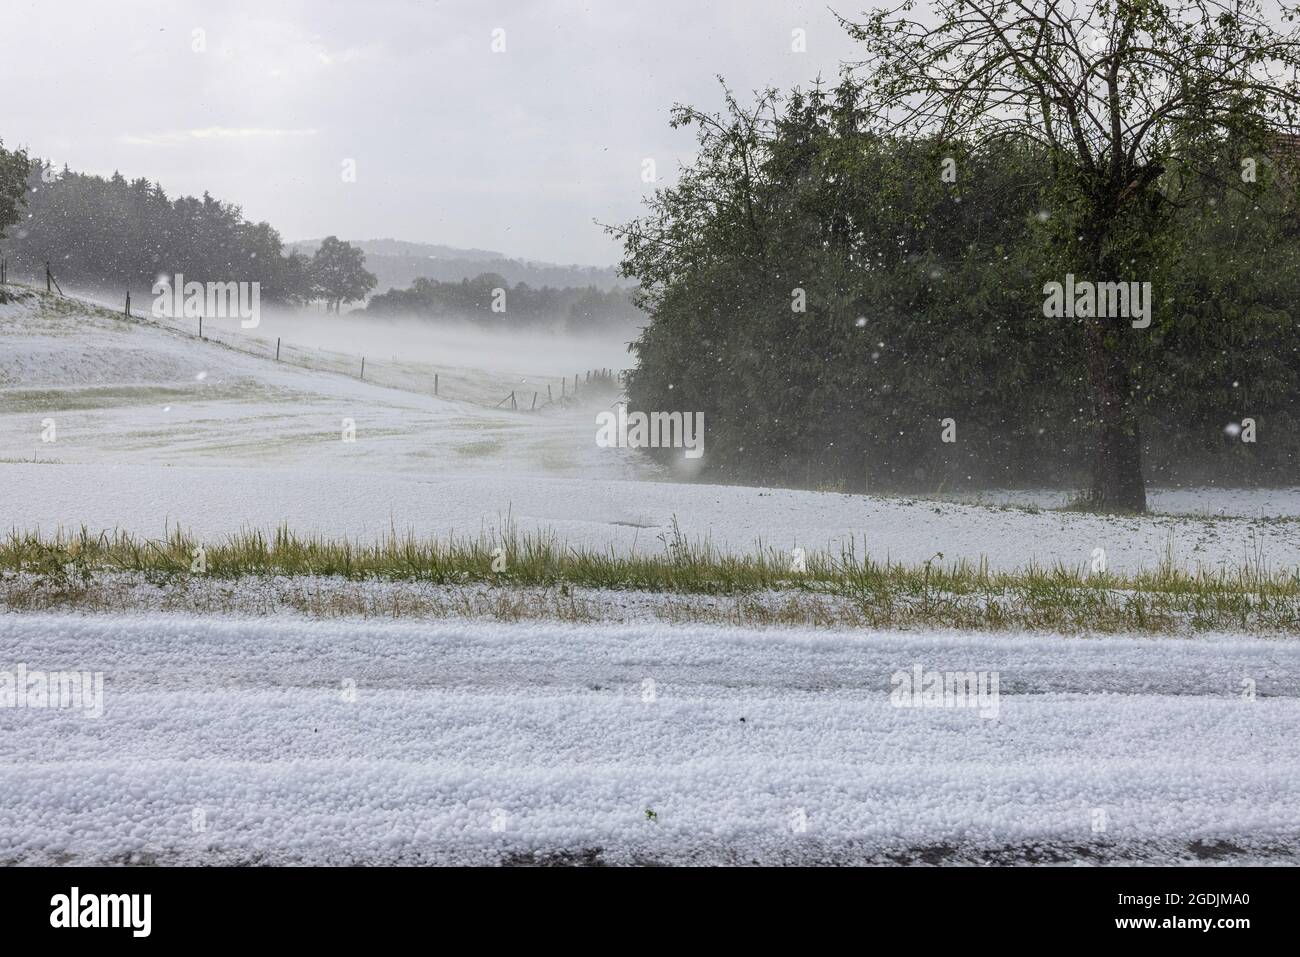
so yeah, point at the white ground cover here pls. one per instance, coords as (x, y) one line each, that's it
(155, 428)
(122, 391)
(240, 740)
(473, 742)
(599, 513)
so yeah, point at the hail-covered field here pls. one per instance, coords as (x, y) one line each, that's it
(290, 741)
(288, 738)
(154, 429)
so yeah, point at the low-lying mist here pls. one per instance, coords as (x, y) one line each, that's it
(494, 346)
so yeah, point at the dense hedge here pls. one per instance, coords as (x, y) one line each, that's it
(924, 301)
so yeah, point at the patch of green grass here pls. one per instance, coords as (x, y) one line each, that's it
(482, 447)
(81, 398)
(834, 589)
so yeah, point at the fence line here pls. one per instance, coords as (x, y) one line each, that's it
(603, 377)
(49, 279)
(596, 376)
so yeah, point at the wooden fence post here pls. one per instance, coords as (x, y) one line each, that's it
(534, 402)
(549, 397)
(127, 310)
(363, 367)
(435, 383)
(277, 348)
(200, 327)
(47, 276)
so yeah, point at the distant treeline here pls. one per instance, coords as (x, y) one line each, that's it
(120, 233)
(125, 234)
(397, 264)
(489, 299)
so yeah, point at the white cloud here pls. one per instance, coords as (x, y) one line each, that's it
(517, 151)
(180, 137)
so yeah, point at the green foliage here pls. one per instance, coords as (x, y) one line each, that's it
(13, 186)
(95, 231)
(924, 302)
(338, 272)
(574, 309)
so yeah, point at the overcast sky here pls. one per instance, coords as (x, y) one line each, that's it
(516, 151)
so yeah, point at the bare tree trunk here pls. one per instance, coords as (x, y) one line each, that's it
(1117, 482)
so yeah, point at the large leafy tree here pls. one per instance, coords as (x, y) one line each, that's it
(339, 270)
(819, 294)
(921, 300)
(1119, 93)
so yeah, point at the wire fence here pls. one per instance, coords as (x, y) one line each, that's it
(525, 393)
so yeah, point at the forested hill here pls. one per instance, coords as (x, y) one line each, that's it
(125, 233)
(490, 300)
(398, 264)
